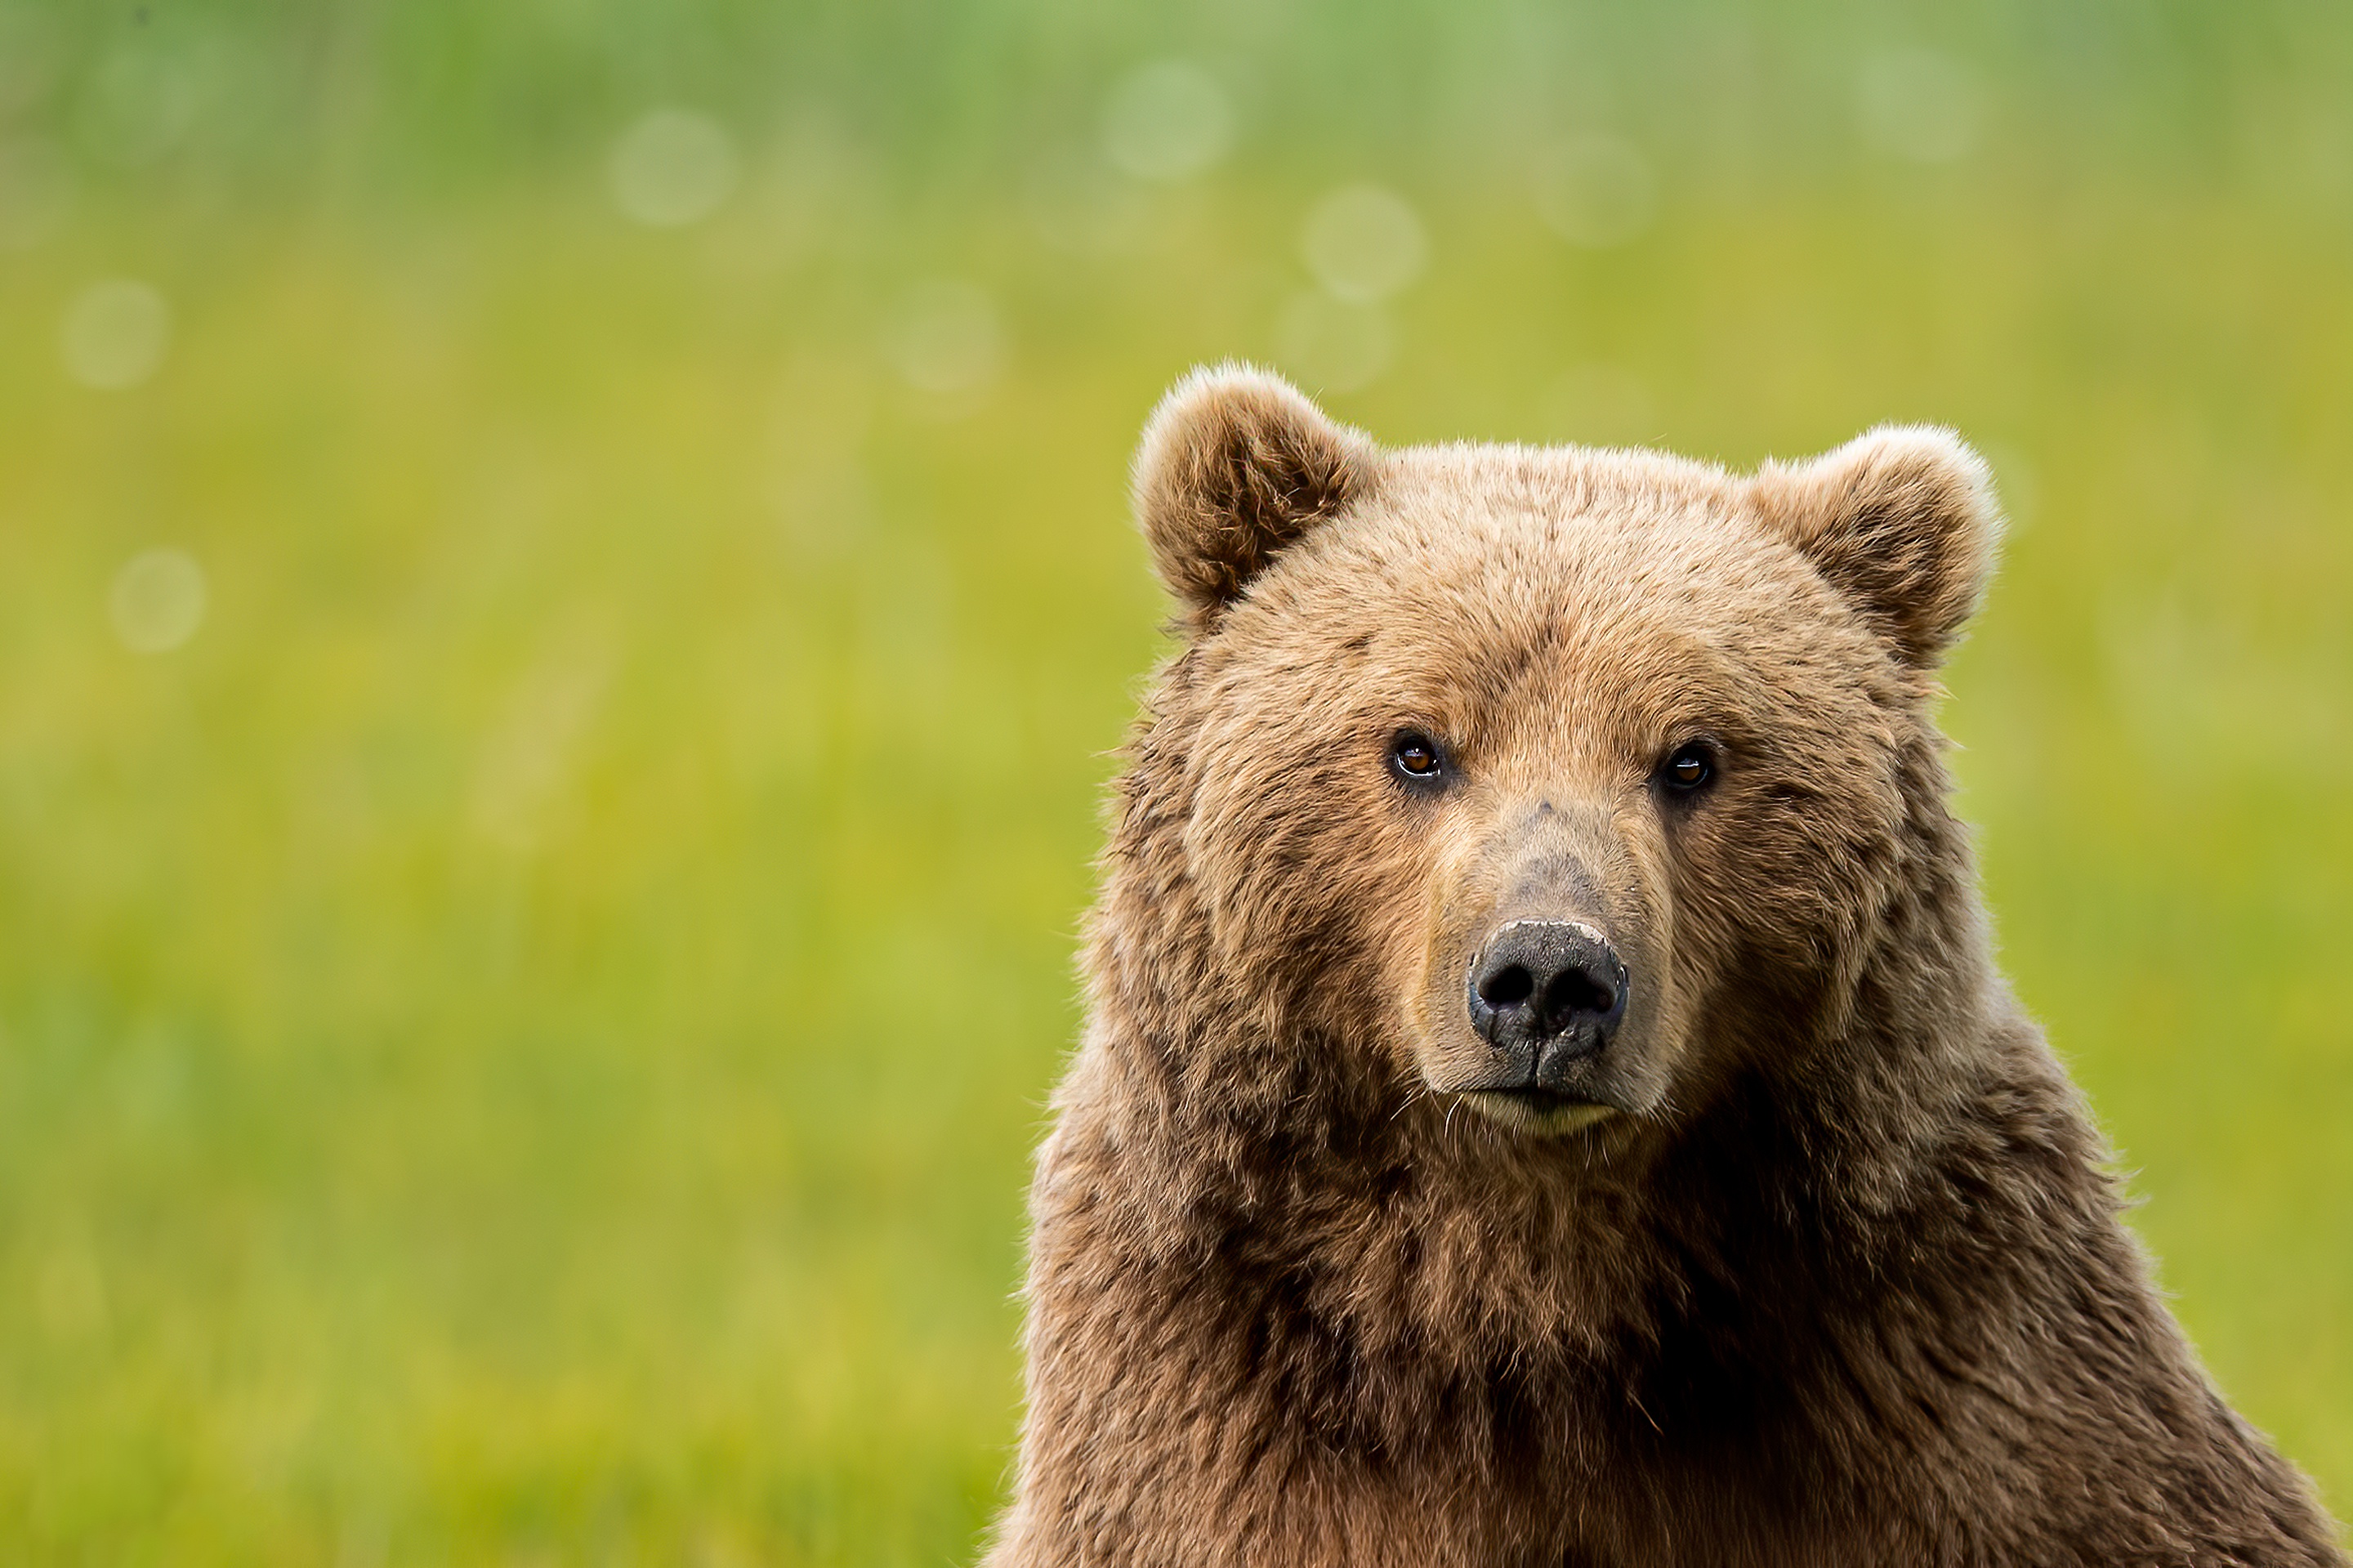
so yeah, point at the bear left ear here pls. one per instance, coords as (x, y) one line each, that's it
(1235, 466)
(1901, 521)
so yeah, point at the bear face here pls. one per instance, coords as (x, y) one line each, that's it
(1556, 782)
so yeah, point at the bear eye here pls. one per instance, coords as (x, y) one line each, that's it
(1687, 767)
(1416, 757)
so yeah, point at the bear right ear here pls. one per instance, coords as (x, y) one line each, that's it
(1902, 521)
(1235, 466)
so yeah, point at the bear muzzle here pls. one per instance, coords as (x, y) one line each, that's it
(1537, 1001)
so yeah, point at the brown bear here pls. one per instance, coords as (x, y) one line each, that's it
(1546, 1097)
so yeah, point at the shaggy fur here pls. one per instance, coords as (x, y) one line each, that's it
(1836, 1278)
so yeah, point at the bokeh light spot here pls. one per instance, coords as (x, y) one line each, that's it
(1595, 191)
(1333, 345)
(1364, 243)
(1918, 105)
(1167, 121)
(948, 339)
(114, 334)
(673, 167)
(157, 601)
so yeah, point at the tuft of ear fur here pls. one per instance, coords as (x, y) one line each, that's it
(1234, 467)
(1902, 521)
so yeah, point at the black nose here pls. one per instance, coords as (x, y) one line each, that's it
(1546, 991)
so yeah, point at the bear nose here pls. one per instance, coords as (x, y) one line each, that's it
(1546, 992)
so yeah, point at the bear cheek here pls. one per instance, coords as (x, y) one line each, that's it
(1453, 913)
(1309, 888)
(1771, 890)
(1379, 885)
(1657, 1041)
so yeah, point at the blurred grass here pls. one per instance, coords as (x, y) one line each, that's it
(521, 1040)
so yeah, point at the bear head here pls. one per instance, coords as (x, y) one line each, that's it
(1561, 783)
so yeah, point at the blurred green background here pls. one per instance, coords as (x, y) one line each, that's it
(564, 598)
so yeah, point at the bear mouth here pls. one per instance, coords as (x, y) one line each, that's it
(1534, 1109)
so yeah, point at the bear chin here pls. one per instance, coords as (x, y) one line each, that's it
(1540, 1112)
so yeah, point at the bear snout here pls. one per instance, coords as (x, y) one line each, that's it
(1545, 994)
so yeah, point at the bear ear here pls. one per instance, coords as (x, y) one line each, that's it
(1235, 466)
(1901, 521)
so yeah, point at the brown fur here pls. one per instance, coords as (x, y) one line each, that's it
(1840, 1279)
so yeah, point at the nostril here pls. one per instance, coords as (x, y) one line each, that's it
(1575, 992)
(1507, 987)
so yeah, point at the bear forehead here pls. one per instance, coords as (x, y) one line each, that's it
(1620, 562)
